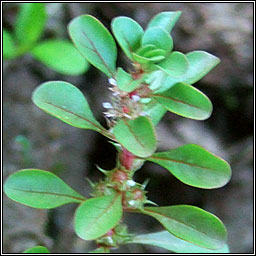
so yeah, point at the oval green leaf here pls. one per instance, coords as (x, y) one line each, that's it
(40, 189)
(176, 64)
(137, 136)
(94, 42)
(191, 224)
(67, 103)
(30, 23)
(128, 34)
(9, 48)
(37, 249)
(61, 56)
(97, 216)
(158, 37)
(165, 20)
(185, 100)
(200, 63)
(194, 166)
(166, 240)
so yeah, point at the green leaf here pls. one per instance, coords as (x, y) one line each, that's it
(200, 63)
(30, 23)
(169, 242)
(145, 60)
(97, 216)
(176, 64)
(128, 34)
(137, 136)
(37, 249)
(158, 37)
(65, 102)
(155, 111)
(144, 49)
(40, 189)
(101, 250)
(194, 166)
(61, 56)
(125, 81)
(191, 224)
(185, 100)
(94, 42)
(154, 53)
(9, 48)
(165, 20)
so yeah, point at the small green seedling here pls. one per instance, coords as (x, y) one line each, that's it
(159, 81)
(57, 54)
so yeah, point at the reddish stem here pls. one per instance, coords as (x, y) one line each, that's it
(126, 159)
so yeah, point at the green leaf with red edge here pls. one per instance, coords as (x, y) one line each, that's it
(185, 100)
(194, 166)
(94, 42)
(40, 189)
(97, 216)
(128, 34)
(137, 136)
(37, 249)
(67, 103)
(166, 240)
(164, 20)
(191, 224)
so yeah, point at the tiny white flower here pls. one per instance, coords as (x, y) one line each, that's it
(107, 105)
(131, 202)
(112, 81)
(109, 239)
(136, 97)
(143, 113)
(130, 183)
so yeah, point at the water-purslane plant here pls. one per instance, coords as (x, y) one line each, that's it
(159, 80)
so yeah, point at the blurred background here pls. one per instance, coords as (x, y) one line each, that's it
(33, 139)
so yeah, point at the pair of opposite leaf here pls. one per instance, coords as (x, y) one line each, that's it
(59, 55)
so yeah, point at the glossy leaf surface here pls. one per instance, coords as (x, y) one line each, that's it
(128, 34)
(185, 100)
(37, 249)
(30, 23)
(9, 48)
(94, 42)
(158, 37)
(40, 189)
(137, 136)
(60, 56)
(176, 64)
(191, 224)
(67, 103)
(194, 166)
(165, 20)
(97, 216)
(166, 240)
